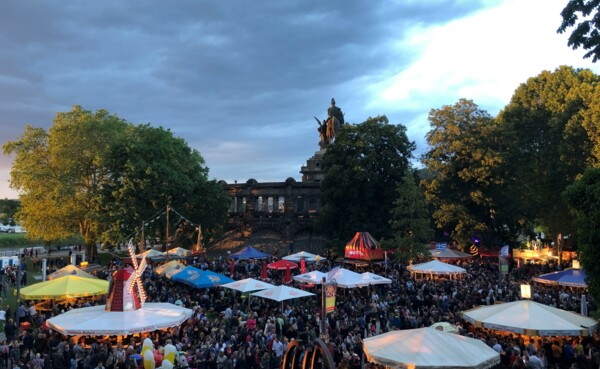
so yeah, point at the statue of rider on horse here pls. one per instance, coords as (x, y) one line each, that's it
(329, 128)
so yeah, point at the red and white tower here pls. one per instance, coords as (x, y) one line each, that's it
(126, 291)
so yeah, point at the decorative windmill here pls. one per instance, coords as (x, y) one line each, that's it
(123, 294)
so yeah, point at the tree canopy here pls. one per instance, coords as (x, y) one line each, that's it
(94, 174)
(362, 170)
(583, 17)
(583, 197)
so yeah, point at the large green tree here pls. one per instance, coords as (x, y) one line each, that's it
(466, 176)
(362, 171)
(97, 175)
(584, 18)
(547, 141)
(410, 220)
(583, 197)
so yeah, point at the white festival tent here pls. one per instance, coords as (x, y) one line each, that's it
(247, 285)
(282, 293)
(530, 318)
(96, 321)
(372, 278)
(348, 279)
(307, 256)
(152, 253)
(429, 348)
(314, 277)
(436, 267)
(445, 326)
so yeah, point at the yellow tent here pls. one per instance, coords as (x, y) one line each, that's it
(70, 286)
(169, 269)
(70, 270)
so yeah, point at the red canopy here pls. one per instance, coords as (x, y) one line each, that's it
(282, 265)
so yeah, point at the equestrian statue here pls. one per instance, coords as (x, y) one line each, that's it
(329, 128)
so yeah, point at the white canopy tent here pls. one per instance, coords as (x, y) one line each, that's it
(372, 278)
(530, 318)
(445, 326)
(282, 293)
(247, 285)
(314, 277)
(436, 267)
(152, 253)
(348, 279)
(429, 348)
(96, 321)
(307, 256)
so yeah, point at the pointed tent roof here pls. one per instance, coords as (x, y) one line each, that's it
(449, 254)
(436, 267)
(363, 247)
(568, 277)
(152, 253)
(315, 277)
(307, 256)
(178, 252)
(429, 348)
(530, 318)
(248, 252)
(372, 278)
(346, 278)
(69, 270)
(281, 293)
(247, 285)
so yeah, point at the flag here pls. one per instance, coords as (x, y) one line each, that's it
(330, 290)
(263, 274)
(232, 269)
(287, 278)
(303, 266)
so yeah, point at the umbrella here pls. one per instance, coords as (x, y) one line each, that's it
(372, 278)
(96, 321)
(530, 318)
(429, 348)
(247, 285)
(282, 265)
(445, 326)
(568, 277)
(70, 286)
(197, 278)
(281, 293)
(70, 270)
(315, 277)
(303, 255)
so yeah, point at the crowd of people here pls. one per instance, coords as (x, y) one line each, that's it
(230, 331)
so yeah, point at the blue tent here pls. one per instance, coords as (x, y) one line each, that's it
(567, 277)
(198, 278)
(248, 252)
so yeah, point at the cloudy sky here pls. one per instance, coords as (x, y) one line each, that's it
(240, 80)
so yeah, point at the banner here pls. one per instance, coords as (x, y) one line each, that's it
(441, 246)
(330, 290)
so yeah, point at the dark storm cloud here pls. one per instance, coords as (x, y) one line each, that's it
(238, 80)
